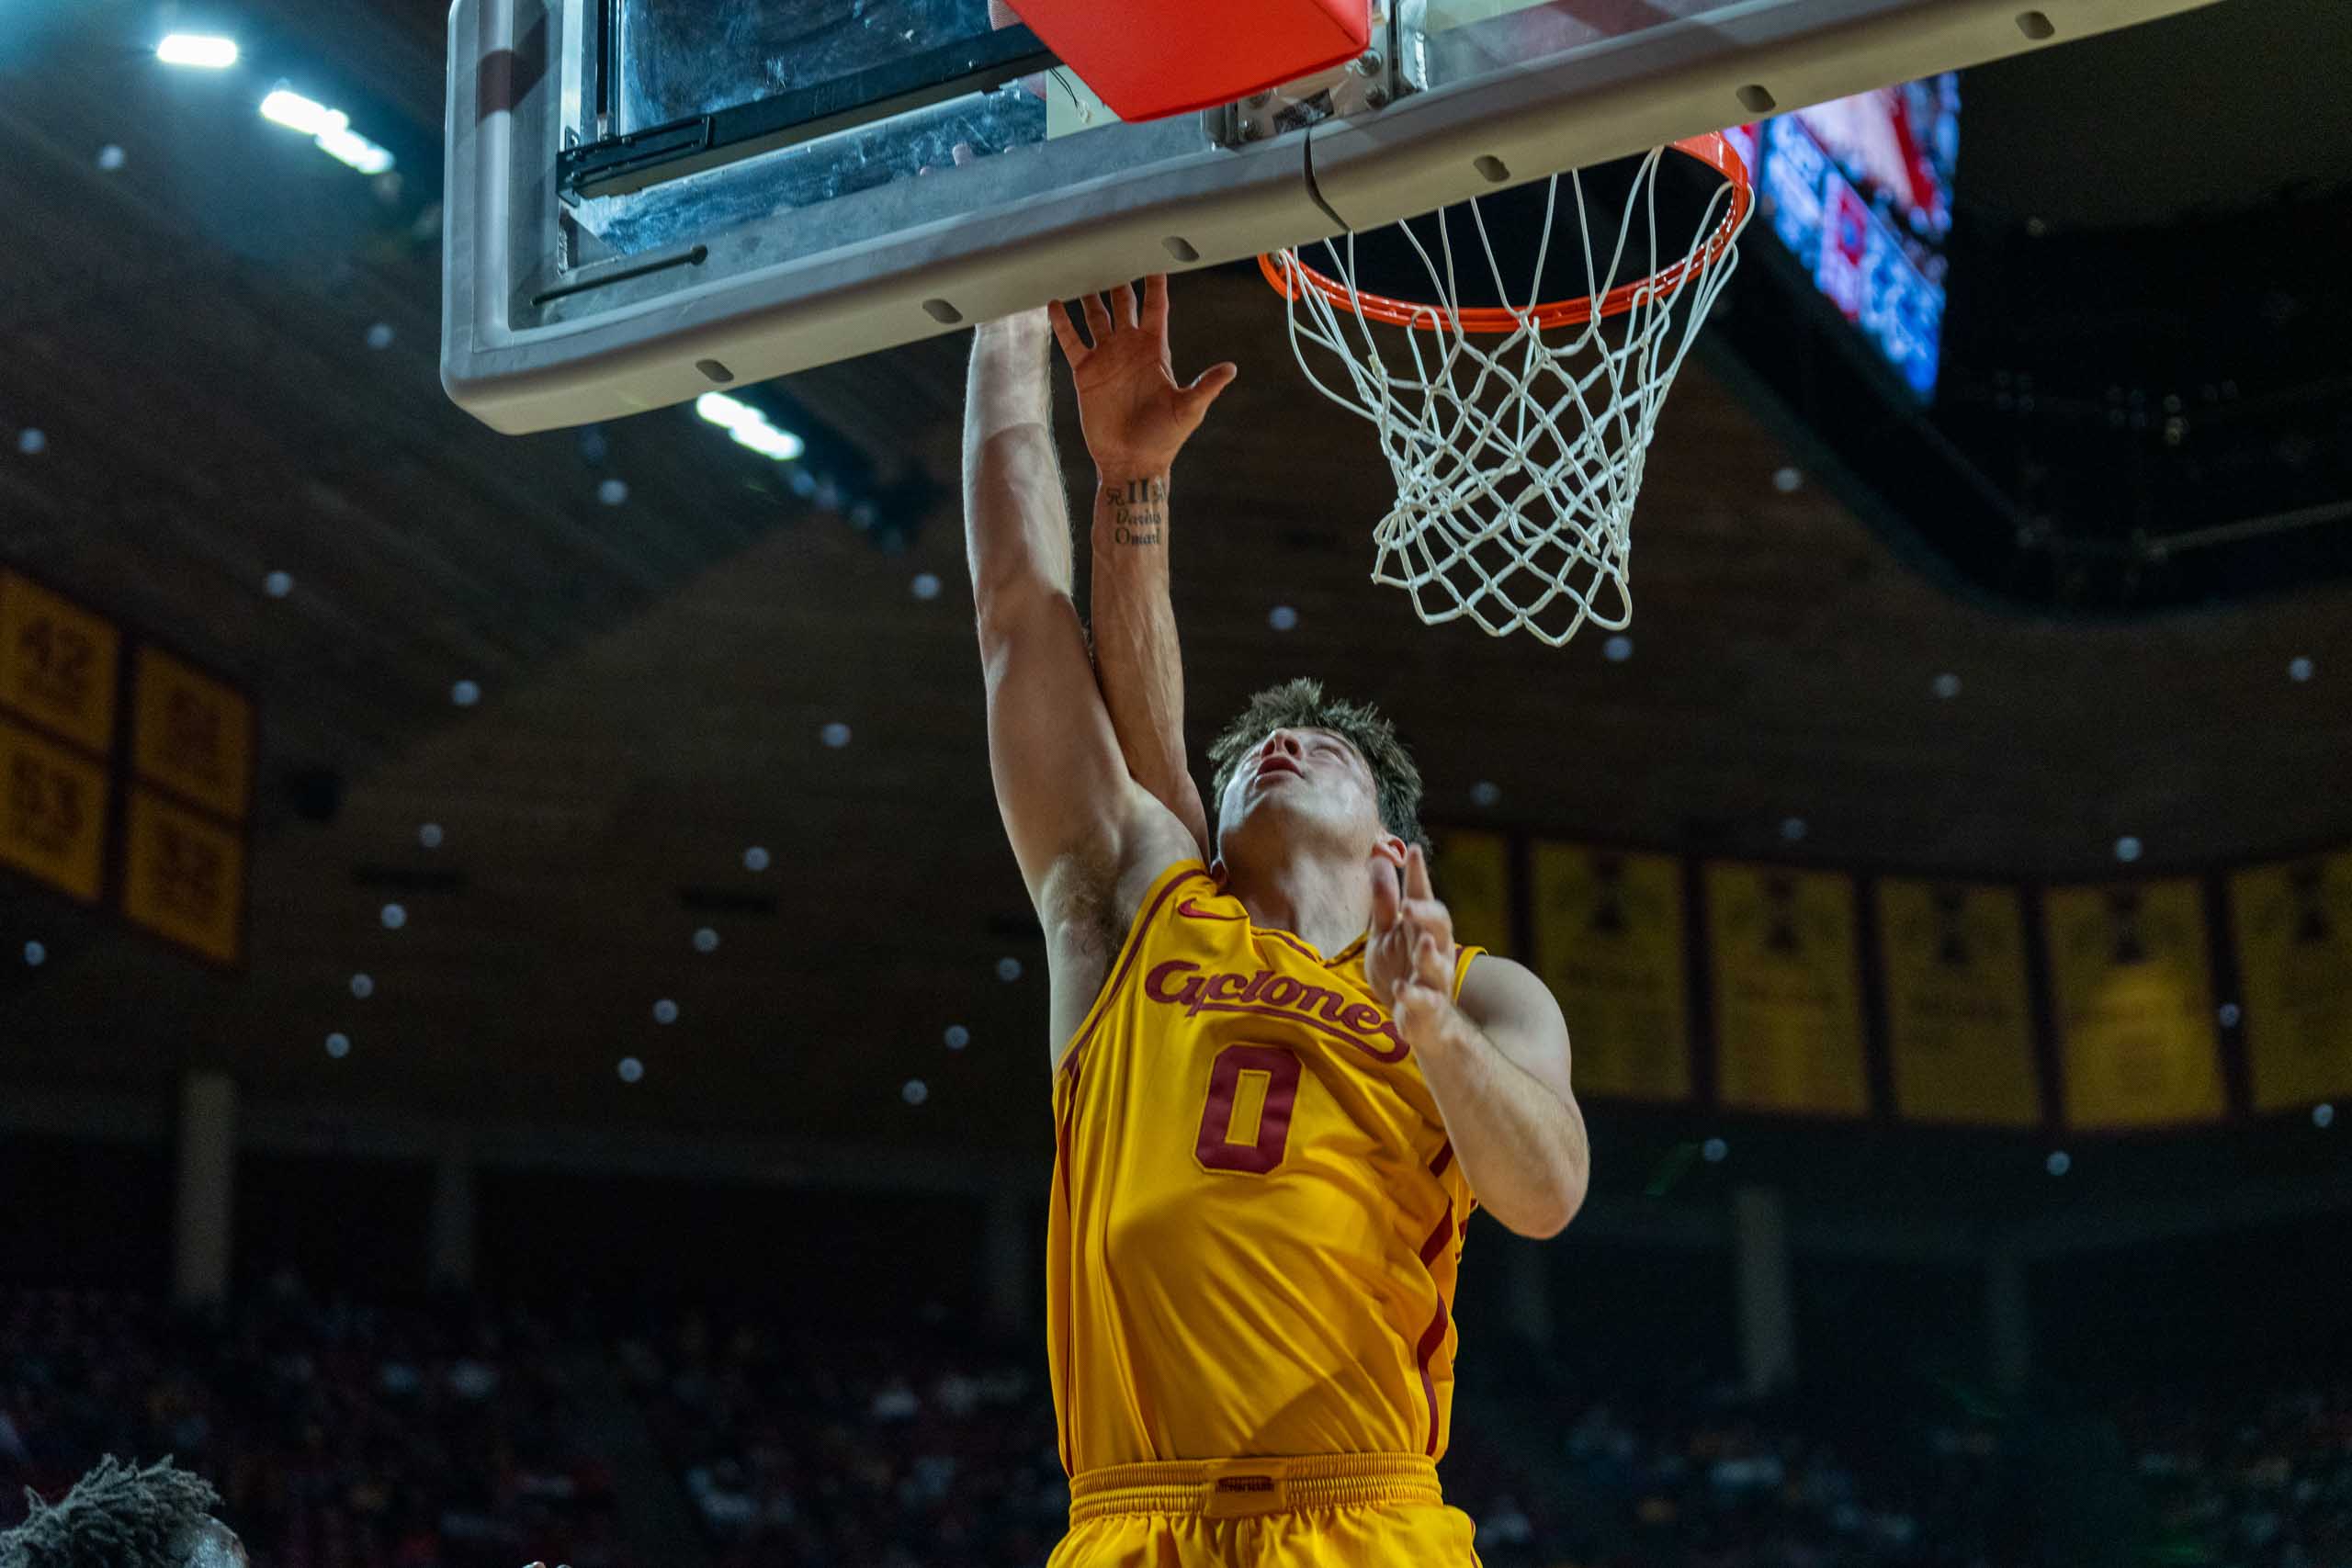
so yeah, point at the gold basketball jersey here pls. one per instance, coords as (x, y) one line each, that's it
(1256, 1218)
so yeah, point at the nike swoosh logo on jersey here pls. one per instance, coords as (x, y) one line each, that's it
(1185, 908)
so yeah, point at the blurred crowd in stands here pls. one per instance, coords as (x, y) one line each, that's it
(340, 1436)
(454, 1434)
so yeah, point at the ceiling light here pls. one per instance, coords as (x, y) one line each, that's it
(749, 426)
(199, 49)
(330, 129)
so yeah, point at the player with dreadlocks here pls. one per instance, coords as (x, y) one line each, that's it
(119, 1516)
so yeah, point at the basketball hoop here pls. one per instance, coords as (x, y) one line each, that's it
(1517, 459)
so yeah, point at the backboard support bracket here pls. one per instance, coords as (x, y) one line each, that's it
(1393, 67)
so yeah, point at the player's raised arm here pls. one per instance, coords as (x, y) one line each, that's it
(1060, 782)
(1136, 417)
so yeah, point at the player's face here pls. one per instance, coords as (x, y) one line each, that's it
(1309, 782)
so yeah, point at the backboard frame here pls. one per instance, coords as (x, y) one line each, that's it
(534, 339)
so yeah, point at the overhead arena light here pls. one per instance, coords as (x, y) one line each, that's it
(330, 129)
(199, 49)
(750, 426)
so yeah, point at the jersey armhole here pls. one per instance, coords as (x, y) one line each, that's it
(1162, 886)
(1462, 958)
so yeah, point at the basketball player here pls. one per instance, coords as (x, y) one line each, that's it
(1278, 1086)
(119, 1516)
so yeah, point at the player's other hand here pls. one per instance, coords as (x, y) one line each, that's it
(1136, 416)
(1410, 958)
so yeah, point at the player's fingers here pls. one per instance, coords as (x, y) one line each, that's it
(1066, 333)
(1417, 873)
(1122, 305)
(1155, 301)
(1098, 317)
(1428, 915)
(1415, 1005)
(1205, 388)
(1428, 961)
(964, 154)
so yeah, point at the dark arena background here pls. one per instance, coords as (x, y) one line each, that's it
(521, 1038)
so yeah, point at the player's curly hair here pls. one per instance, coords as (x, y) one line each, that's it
(1300, 704)
(116, 1517)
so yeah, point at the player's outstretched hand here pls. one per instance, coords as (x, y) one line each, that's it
(1136, 416)
(1409, 960)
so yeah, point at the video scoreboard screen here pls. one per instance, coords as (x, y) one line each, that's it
(1860, 191)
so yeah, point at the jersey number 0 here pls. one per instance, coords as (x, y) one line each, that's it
(1215, 1149)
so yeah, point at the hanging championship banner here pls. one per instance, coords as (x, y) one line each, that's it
(192, 734)
(1787, 990)
(1471, 872)
(1958, 1008)
(57, 663)
(1610, 943)
(2135, 1000)
(184, 876)
(2293, 924)
(52, 812)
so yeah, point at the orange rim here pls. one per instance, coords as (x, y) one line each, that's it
(1711, 150)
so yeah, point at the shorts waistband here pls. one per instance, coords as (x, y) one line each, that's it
(1235, 1488)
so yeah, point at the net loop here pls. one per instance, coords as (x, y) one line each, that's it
(1517, 433)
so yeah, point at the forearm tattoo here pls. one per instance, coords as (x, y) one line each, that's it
(1138, 508)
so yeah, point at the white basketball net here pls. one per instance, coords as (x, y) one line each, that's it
(1517, 459)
